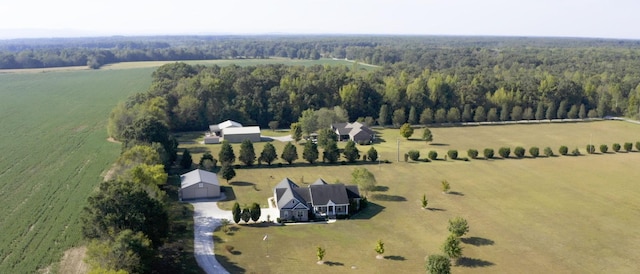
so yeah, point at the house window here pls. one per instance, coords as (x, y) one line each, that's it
(200, 185)
(300, 213)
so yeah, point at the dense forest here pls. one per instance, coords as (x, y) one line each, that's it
(434, 52)
(422, 80)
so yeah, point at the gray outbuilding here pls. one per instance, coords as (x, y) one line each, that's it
(199, 184)
(239, 134)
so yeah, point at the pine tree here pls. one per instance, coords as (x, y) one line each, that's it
(310, 153)
(247, 153)
(350, 152)
(289, 153)
(226, 154)
(186, 161)
(268, 153)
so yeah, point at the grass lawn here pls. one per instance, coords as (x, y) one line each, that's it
(558, 214)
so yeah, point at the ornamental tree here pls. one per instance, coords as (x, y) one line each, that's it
(247, 153)
(406, 130)
(289, 153)
(438, 264)
(372, 154)
(268, 153)
(458, 226)
(350, 152)
(452, 248)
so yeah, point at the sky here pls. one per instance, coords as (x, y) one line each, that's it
(555, 18)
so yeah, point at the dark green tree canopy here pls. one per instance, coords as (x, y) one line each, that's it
(226, 154)
(310, 153)
(247, 153)
(268, 153)
(118, 206)
(289, 153)
(350, 152)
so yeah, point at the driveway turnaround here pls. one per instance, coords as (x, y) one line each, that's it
(207, 216)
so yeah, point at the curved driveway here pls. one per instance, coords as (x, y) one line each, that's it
(206, 217)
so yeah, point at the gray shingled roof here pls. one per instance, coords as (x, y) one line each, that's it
(286, 192)
(198, 176)
(352, 191)
(322, 194)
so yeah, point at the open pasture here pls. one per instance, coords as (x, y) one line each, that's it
(544, 215)
(54, 150)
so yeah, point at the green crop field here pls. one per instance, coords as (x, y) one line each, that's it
(54, 150)
(544, 215)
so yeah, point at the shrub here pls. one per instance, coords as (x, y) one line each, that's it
(453, 154)
(616, 147)
(548, 152)
(628, 147)
(229, 248)
(504, 152)
(519, 152)
(534, 151)
(591, 149)
(575, 152)
(488, 153)
(604, 148)
(637, 145)
(414, 155)
(563, 150)
(472, 153)
(432, 155)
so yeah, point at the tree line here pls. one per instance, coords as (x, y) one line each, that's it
(185, 97)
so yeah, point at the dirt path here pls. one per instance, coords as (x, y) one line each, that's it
(73, 261)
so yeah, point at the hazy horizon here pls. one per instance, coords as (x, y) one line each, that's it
(545, 18)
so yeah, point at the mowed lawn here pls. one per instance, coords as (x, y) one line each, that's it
(54, 151)
(544, 215)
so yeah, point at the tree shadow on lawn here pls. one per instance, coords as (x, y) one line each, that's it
(228, 265)
(436, 209)
(390, 198)
(330, 263)
(198, 150)
(477, 241)
(368, 212)
(229, 194)
(438, 144)
(241, 183)
(380, 188)
(473, 262)
(456, 193)
(395, 258)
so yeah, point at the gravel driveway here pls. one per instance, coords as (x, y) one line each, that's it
(207, 216)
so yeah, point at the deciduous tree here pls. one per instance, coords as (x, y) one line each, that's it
(255, 212)
(426, 135)
(406, 130)
(364, 179)
(372, 154)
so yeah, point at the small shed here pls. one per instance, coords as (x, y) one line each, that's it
(239, 134)
(199, 184)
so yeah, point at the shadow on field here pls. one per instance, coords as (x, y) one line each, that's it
(368, 212)
(229, 194)
(395, 258)
(380, 188)
(477, 241)
(198, 150)
(456, 193)
(436, 209)
(472, 262)
(229, 266)
(390, 198)
(438, 144)
(330, 263)
(241, 183)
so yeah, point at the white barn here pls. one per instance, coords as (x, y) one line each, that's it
(239, 134)
(199, 184)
